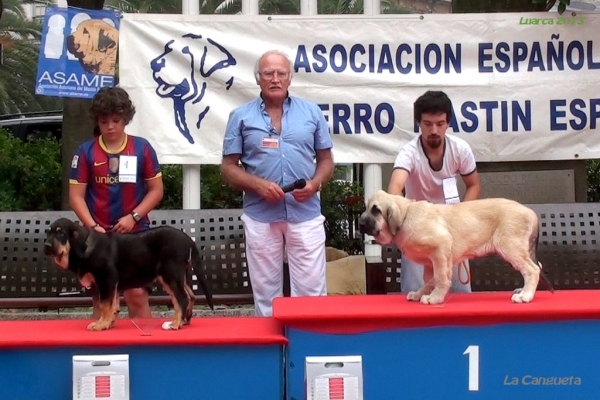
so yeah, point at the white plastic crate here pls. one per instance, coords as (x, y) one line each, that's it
(334, 378)
(103, 377)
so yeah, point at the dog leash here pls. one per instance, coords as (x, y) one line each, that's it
(142, 332)
(463, 266)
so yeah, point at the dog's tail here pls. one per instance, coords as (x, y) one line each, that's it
(196, 264)
(534, 240)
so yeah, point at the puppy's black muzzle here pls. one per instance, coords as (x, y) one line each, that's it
(362, 228)
(366, 225)
(48, 248)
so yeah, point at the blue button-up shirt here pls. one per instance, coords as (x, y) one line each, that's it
(304, 130)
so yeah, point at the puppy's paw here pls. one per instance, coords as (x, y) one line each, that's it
(431, 299)
(170, 325)
(413, 296)
(100, 325)
(522, 297)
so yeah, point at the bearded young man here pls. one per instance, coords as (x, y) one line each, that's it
(427, 168)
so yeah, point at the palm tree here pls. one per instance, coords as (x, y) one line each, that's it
(145, 6)
(357, 7)
(20, 39)
(275, 7)
(291, 7)
(174, 6)
(340, 7)
(489, 6)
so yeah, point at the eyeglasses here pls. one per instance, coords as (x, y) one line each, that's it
(271, 74)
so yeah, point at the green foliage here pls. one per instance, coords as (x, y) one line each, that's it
(593, 181)
(493, 6)
(562, 5)
(173, 182)
(174, 6)
(20, 39)
(214, 193)
(146, 6)
(357, 7)
(30, 173)
(341, 204)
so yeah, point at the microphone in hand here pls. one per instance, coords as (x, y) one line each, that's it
(299, 184)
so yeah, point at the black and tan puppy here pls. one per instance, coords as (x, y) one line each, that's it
(114, 262)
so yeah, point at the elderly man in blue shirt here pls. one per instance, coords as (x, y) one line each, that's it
(278, 138)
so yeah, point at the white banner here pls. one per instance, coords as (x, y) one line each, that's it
(523, 86)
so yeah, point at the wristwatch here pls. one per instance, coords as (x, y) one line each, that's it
(136, 216)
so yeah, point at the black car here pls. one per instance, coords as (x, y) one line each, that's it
(31, 126)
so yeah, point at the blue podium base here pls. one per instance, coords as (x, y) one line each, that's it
(156, 373)
(213, 358)
(513, 361)
(475, 346)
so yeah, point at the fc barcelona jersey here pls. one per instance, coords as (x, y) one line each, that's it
(116, 181)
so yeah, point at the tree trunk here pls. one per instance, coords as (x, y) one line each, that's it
(76, 126)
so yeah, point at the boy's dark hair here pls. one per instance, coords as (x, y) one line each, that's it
(433, 102)
(112, 101)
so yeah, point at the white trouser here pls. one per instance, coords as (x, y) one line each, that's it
(265, 245)
(411, 277)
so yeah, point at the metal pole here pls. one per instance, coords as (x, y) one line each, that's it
(308, 7)
(190, 7)
(191, 172)
(372, 175)
(372, 7)
(250, 7)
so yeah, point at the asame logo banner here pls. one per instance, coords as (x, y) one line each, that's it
(78, 53)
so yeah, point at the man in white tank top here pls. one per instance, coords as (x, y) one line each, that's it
(427, 168)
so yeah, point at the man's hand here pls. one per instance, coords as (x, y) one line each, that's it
(301, 195)
(271, 192)
(125, 224)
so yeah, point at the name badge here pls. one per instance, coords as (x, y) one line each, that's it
(450, 191)
(270, 143)
(127, 169)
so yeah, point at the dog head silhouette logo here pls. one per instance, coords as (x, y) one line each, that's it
(94, 43)
(203, 57)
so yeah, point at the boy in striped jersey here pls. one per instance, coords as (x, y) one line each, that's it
(115, 180)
